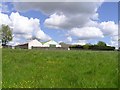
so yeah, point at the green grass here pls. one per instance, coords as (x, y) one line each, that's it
(59, 69)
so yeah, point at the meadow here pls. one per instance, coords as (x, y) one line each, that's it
(59, 69)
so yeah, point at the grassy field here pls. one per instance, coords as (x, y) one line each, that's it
(59, 69)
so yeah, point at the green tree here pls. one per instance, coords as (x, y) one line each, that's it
(6, 34)
(101, 43)
(86, 46)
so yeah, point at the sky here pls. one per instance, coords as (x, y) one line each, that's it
(69, 22)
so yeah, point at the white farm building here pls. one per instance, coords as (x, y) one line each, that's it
(29, 45)
(36, 43)
(51, 43)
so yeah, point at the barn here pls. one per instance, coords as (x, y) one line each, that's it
(51, 43)
(29, 45)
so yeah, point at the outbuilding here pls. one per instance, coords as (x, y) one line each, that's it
(51, 43)
(29, 45)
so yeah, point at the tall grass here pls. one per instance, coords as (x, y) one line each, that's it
(59, 69)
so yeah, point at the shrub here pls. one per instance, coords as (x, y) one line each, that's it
(86, 46)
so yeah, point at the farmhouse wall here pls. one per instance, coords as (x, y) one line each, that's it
(24, 46)
(50, 48)
(34, 43)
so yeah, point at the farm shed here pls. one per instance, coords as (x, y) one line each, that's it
(51, 43)
(65, 46)
(29, 45)
(22, 46)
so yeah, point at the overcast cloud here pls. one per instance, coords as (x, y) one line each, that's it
(70, 14)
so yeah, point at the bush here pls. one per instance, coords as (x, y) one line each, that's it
(100, 43)
(86, 46)
(100, 46)
(96, 47)
(76, 47)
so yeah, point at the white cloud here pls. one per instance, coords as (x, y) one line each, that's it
(69, 39)
(21, 24)
(86, 33)
(91, 23)
(95, 16)
(55, 20)
(4, 19)
(41, 35)
(114, 41)
(114, 38)
(23, 28)
(109, 28)
(27, 27)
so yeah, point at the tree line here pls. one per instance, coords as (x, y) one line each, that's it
(99, 46)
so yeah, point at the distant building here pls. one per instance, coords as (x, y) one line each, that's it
(51, 43)
(64, 45)
(29, 45)
(37, 44)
